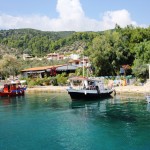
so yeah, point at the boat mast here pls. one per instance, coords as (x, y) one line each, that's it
(83, 65)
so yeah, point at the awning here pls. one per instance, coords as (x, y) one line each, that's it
(48, 70)
(30, 72)
(67, 67)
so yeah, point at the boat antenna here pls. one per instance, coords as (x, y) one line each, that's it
(83, 65)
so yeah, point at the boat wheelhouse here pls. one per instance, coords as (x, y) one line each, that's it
(13, 89)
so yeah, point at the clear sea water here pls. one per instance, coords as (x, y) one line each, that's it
(51, 121)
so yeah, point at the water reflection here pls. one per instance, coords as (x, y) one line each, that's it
(5, 101)
(47, 101)
(148, 107)
(59, 123)
(117, 108)
(127, 110)
(12, 100)
(12, 104)
(83, 104)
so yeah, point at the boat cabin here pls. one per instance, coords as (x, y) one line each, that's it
(10, 87)
(86, 83)
(13, 89)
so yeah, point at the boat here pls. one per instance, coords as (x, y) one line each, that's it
(13, 89)
(86, 88)
(148, 98)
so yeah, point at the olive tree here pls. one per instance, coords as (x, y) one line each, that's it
(9, 65)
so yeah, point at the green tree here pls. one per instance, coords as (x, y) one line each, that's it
(9, 65)
(142, 54)
(61, 79)
(140, 69)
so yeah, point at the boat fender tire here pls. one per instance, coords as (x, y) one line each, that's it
(114, 92)
(98, 91)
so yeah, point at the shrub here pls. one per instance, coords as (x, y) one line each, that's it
(31, 83)
(46, 81)
(53, 81)
(38, 81)
(61, 79)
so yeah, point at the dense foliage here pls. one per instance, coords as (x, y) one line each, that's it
(60, 79)
(34, 42)
(112, 49)
(9, 65)
(107, 50)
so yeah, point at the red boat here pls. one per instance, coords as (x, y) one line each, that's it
(12, 89)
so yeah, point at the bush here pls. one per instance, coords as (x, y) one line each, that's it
(142, 80)
(31, 83)
(38, 81)
(61, 79)
(46, 81)
(53, 81)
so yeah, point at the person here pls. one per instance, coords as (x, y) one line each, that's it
(85, 85)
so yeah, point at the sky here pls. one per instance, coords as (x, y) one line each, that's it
(73, 15)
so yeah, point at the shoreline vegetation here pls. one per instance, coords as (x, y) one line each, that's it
(129, 89)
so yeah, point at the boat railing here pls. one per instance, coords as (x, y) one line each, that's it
(1, 89)
(91, 87)
(76, 87)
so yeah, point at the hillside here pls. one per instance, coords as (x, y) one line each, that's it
(108, 51)
(34, 42)
(7, 50)
(40, 43)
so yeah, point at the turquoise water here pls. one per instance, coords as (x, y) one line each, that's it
(51, 121)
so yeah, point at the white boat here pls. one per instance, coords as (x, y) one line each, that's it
(148, 98)
(87, 88)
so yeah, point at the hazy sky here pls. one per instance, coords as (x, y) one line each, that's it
(73, 15)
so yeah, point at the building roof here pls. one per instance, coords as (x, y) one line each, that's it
(74, 60)
(66, 67)
(41, 68)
